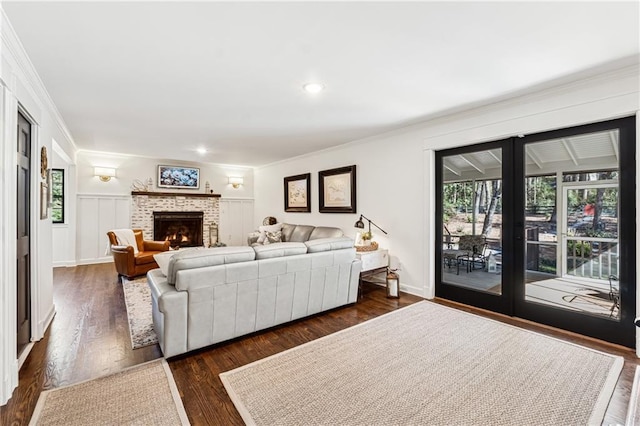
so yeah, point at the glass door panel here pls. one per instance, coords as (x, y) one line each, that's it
(572, 254)
(472, 218)
(543, 227)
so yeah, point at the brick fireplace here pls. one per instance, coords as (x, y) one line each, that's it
(181, 229)
(145, 204)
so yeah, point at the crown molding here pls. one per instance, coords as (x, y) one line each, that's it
(14, 49)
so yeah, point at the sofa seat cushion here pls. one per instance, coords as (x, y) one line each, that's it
(325, 232)
(144, 257)
(200, 258)
(279, 250)
(327, 244)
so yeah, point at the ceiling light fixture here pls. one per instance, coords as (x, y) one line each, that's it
(202, 151)
(313, 88)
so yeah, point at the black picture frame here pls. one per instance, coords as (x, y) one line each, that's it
(337, 190)
(297, 193)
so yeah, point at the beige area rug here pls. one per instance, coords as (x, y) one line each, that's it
(633, 413)
(137, 297)
(427, 364)
(142, 395)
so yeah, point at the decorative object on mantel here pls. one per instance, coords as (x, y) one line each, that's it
(178, 177)
(207, 187)
(337, 190)
(138, 186)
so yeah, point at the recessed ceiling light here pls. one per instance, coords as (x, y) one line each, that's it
(313, 88)
(202, 151)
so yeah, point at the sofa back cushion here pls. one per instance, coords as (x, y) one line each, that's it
(328, 244)
(279, 250)
(296, 233)
(325, 232)
(200, 258)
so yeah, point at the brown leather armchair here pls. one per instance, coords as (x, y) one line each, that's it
(130, 264)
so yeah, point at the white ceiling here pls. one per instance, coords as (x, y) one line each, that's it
(162, 79)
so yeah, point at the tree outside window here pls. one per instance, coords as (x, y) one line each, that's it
(57, 195)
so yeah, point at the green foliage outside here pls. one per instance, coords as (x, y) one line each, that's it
(57, 195)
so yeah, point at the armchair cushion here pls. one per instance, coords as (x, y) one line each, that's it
(144, 257)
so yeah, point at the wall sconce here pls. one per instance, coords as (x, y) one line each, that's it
(236, 181)
(104, 173)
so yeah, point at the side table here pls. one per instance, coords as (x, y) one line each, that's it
(373, 263)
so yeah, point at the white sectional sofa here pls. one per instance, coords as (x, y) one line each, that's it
(212, 295)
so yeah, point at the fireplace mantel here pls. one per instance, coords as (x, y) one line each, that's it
(174, 194)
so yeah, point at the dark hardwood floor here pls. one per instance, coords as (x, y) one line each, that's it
(89, 337)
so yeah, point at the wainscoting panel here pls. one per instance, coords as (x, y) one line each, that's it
(236, 221)
(98, 214)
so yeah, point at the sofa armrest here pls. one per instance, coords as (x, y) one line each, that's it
(124, 259)
(156, 245)
(170, 320)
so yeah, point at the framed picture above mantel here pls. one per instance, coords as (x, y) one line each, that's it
(178, 177)
(297, 193)
(338, 190)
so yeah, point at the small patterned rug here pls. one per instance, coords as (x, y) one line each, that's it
(145, 394)
(427, 364)
(137, 297)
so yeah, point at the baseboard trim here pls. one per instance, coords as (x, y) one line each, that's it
(96, 260)
(46, 322)
(24, 354)
(65, 264)
(416, 291)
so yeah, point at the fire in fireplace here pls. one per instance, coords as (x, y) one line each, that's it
(181, 229)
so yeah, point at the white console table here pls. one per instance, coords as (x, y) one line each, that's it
(373, 263)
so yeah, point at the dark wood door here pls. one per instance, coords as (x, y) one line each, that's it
(23, 214)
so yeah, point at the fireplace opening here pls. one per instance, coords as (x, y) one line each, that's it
(181, 229)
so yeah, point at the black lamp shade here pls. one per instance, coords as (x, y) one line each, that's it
(359, 223)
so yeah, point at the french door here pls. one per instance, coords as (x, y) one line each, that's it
(551, 218)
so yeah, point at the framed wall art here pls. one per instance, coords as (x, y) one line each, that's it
(297, 193)
(338, 190)
(178, 177)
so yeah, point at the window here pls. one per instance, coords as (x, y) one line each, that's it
(57, 195)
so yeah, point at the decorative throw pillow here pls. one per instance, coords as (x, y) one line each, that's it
(267, 228)
(273, 237)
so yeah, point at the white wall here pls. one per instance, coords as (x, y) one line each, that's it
(389, 181)
(395, 170)
(103, 206)
(20, 88)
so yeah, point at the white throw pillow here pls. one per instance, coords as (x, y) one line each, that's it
(162, 259)
(267, 228)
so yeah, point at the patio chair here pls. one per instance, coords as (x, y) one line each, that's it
(614, 294)
(474, 248)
